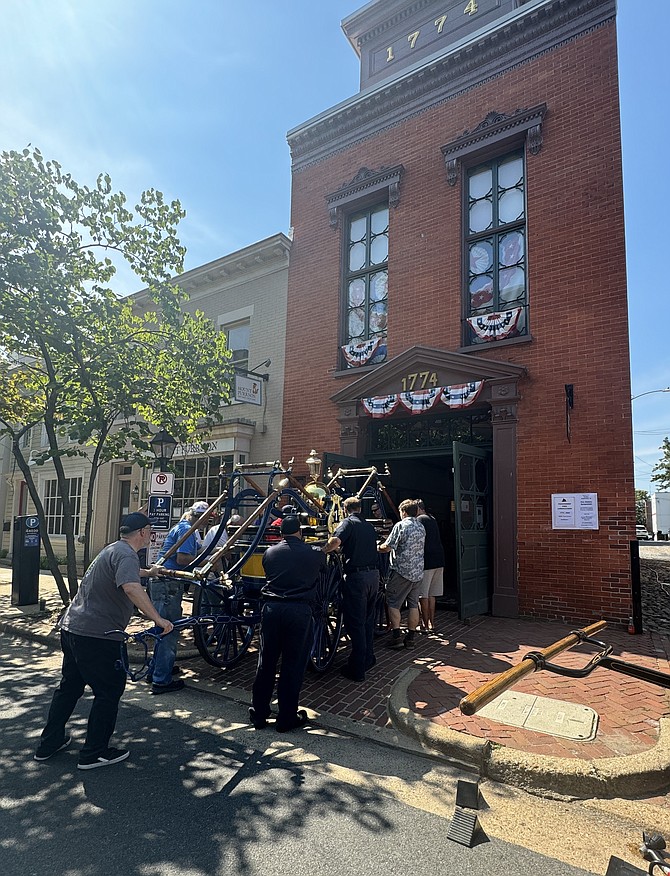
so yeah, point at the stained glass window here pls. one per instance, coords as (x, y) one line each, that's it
(496, 285)
(366, 279)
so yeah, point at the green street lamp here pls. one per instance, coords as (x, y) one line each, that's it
(163, 446)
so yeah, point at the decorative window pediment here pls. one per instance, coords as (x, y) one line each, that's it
(497, 130)
(366, 183)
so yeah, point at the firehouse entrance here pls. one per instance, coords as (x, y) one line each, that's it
(456, 489)
(453, 444)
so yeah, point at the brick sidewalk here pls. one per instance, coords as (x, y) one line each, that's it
(461, 658)
(455, 662)
(628, 710)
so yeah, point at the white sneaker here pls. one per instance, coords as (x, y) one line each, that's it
(112, 755)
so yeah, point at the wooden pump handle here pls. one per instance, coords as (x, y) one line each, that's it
(483, 695)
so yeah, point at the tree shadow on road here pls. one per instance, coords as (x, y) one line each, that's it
(187, 802)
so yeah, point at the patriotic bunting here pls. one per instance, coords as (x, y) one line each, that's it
(358, 354)
(420, 401)
(495, 326)
(461, 395)
(381, 405)
(458, 395)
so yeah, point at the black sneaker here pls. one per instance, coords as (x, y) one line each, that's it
(175, 684)
(259, 723)
(41, 754)
(176, 670)
(300, 720)
(109, 757)
(345, 672)
(395, 642)
(409, 642)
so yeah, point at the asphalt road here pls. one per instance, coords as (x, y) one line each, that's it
(203, 794)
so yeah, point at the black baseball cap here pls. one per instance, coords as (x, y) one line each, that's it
(290, 525)
(133, 522)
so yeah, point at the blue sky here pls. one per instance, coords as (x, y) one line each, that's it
(195, 99)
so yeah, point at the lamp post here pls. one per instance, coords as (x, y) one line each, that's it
(650, 392)
(163, 446)
(314, 465)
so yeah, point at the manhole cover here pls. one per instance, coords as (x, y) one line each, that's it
(545, 715)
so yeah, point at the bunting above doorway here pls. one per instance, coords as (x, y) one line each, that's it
(456, 396)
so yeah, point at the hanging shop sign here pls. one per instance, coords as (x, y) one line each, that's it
(248, 389)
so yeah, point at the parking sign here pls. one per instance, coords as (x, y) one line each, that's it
(162, 483)
(160, 511)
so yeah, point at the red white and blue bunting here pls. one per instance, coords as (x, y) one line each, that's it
(458, 395)
(420, 401)
(381, 405)
(495, 326)
(359, 354)
(461, 395)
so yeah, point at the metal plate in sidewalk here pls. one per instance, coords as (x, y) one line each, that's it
(558, 718)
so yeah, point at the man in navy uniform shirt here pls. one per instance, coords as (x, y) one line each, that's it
(358, 539)
(292, 570)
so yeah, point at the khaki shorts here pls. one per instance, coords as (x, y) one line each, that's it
(400, 589)
(433, 583)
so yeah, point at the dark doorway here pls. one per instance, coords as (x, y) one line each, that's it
(431, 478)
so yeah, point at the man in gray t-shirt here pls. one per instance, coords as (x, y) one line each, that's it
(105, 599)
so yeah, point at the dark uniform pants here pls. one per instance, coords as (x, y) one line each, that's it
(286, 632)
(92, 662)
(359, 601)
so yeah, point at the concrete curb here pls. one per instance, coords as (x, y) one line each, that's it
(52, 638)
(551, 776)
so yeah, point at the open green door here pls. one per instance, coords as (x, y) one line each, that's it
(472, 487)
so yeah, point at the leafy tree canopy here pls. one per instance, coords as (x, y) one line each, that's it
(77, 357)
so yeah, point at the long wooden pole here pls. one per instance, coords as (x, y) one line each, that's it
(489, 691)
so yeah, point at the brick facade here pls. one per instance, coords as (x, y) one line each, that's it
(577, 300)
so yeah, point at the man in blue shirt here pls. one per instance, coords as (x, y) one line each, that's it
(166, 595)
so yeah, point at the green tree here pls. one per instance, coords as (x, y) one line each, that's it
(77, 359)
(641, 498)
(661, 472)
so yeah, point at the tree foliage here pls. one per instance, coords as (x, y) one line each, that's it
(661, 472)
(77, 359)
(641, 499)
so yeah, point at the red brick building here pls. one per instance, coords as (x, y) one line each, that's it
(457, 292)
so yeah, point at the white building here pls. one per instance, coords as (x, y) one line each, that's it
(659, 513)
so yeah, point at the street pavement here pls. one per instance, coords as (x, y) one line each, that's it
(204, 794)
(411, 697)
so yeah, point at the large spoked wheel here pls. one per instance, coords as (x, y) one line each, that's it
(327, 615)
(224, 643)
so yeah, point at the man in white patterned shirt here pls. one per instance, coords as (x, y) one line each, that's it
(406, 542)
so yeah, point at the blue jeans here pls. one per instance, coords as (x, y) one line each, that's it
(359, 602)
(166, 594)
